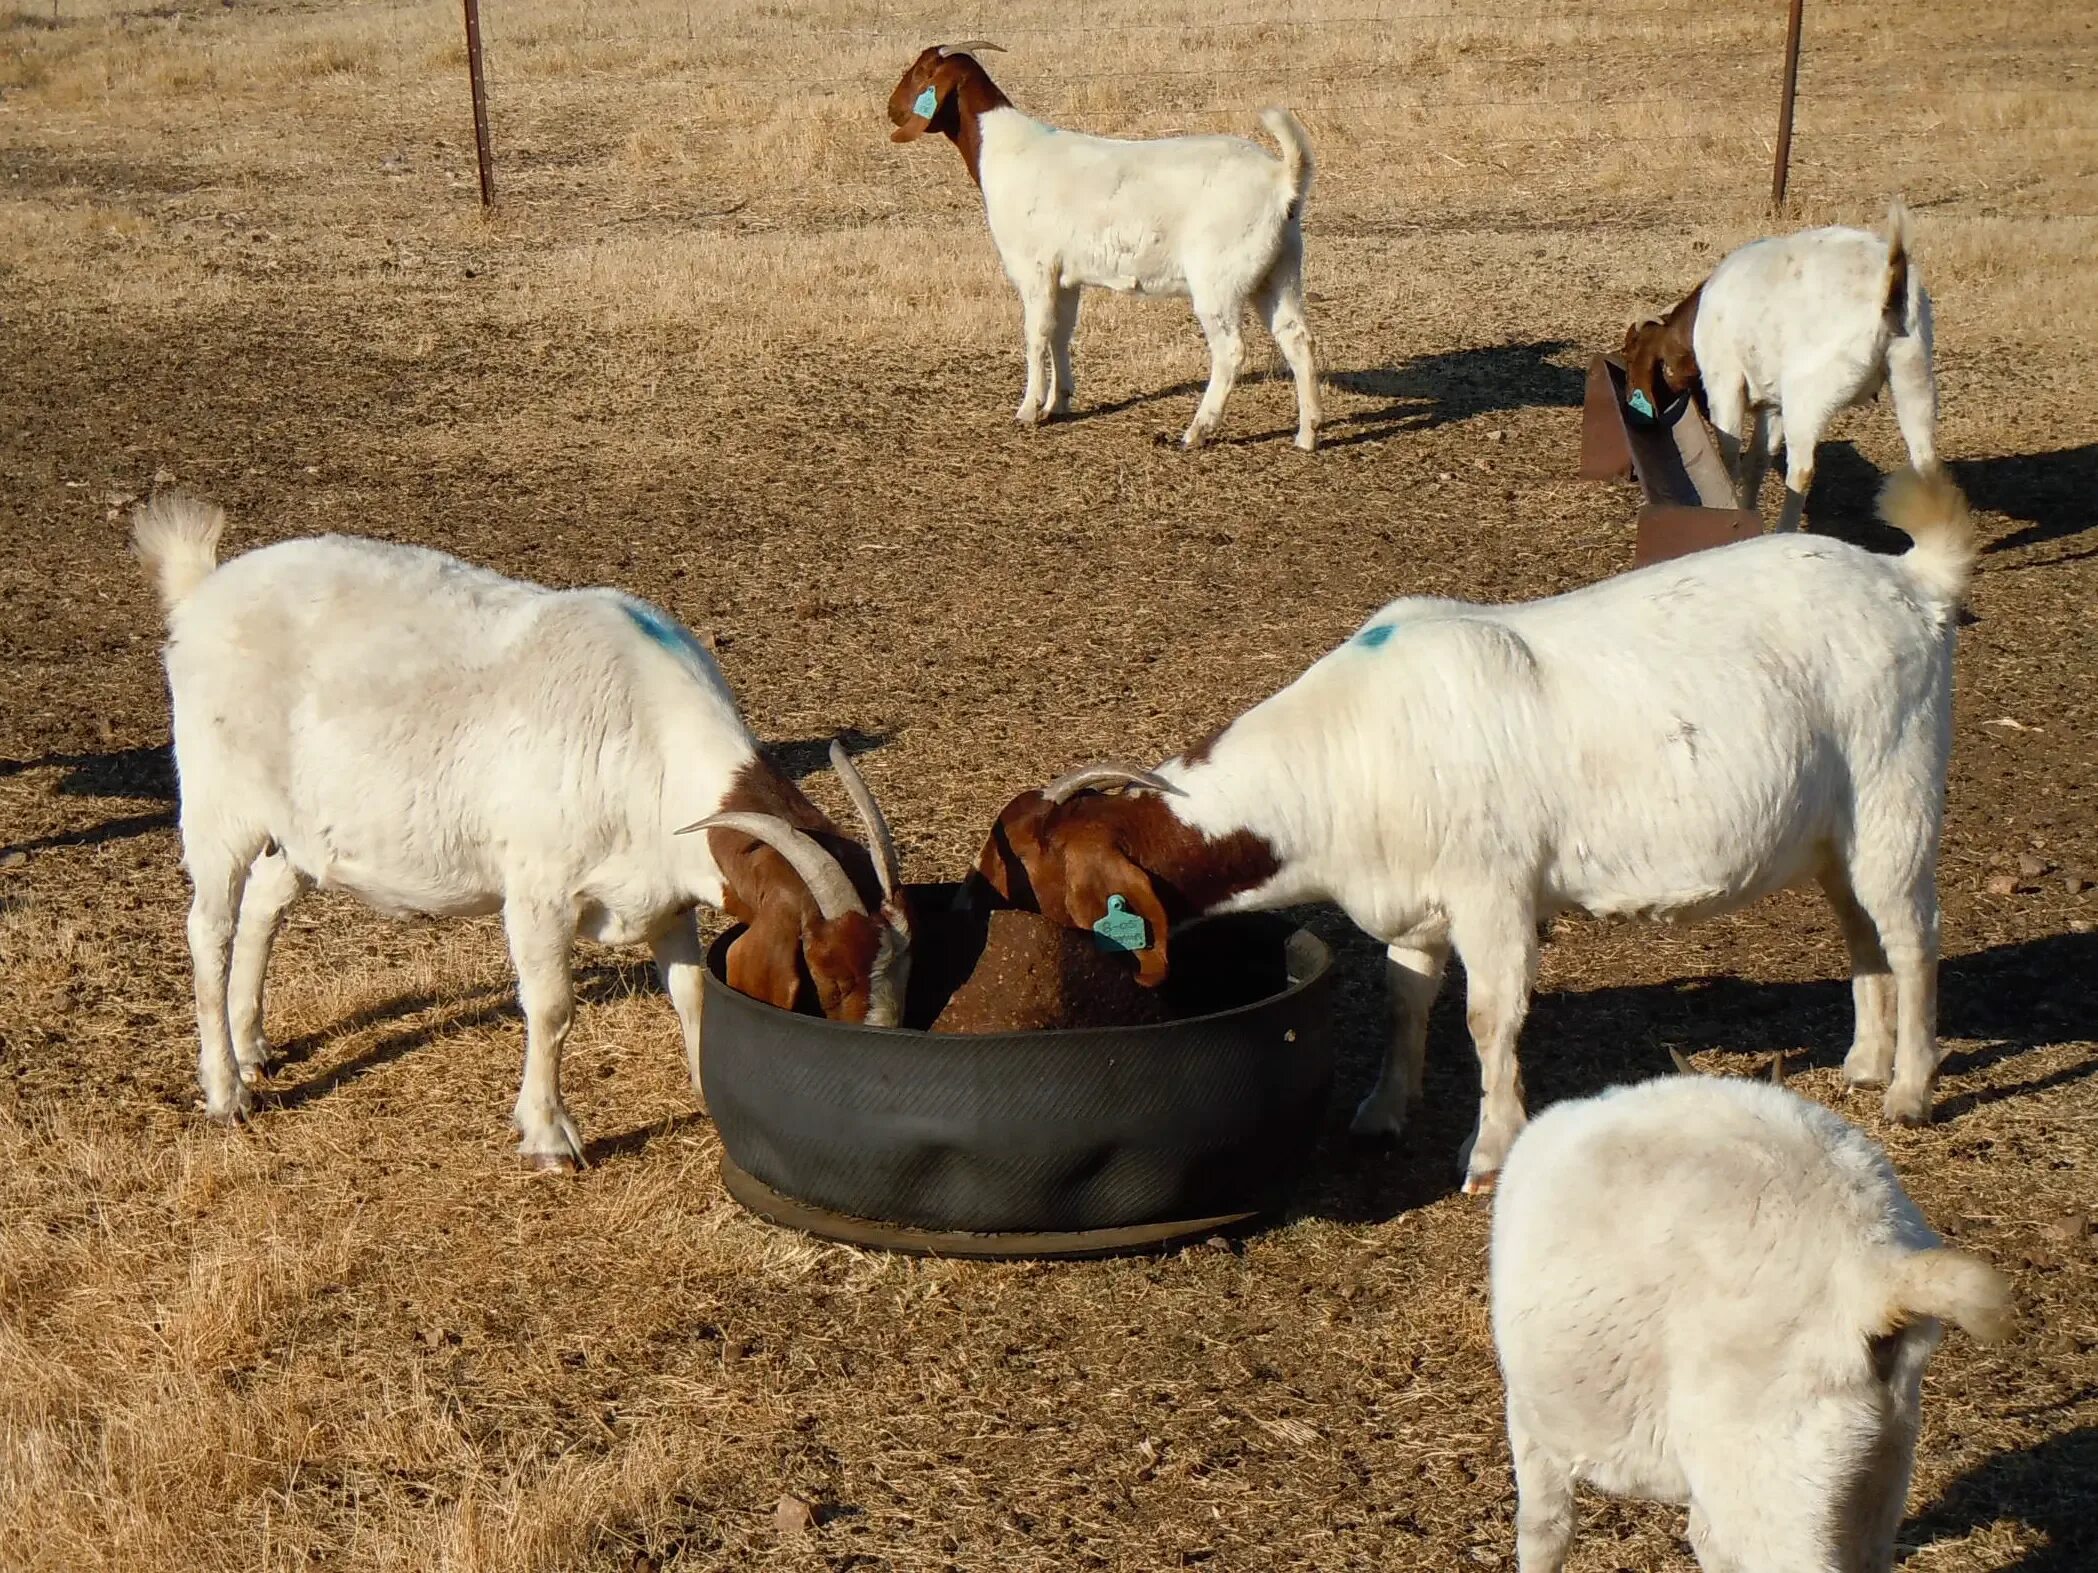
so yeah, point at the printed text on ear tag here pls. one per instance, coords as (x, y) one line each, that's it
(1640, 402)
(928, 101)
(1121, 929)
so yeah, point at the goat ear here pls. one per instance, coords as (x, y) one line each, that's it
(1006, 862)
(1094, 875)
(924, 105)
(765, 962)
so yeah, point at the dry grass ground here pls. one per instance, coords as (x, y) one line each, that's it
(724, 345)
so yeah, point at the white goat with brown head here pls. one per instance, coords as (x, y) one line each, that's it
(434, 738)
(1214, 218)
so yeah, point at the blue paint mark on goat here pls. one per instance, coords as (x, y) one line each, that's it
(1375, 635)
(667, 633)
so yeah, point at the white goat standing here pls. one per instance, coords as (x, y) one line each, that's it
(432, 737)
(1804, 325)
(1671, 743)
(1709, 1291)
(1214, 218)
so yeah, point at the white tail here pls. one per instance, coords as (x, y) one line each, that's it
(1297, 162)
(177, 538)
(1928, 507)
(1953, 1287)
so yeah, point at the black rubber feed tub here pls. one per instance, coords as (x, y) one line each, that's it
(1046, 1143)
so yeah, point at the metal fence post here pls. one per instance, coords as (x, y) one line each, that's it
(1783, 164)
(480, 92)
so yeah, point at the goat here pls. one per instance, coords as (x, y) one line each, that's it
(1213, 218)
(432, 737)
(1806, 325)
(1673, 742)
(1711, 1291)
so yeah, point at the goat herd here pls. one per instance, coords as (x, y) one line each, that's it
(1706, 1291)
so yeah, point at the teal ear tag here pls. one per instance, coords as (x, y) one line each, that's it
(1121, 929)
(928, 101)
(1641, 403)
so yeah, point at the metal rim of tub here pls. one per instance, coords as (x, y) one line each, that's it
(1067, 1142)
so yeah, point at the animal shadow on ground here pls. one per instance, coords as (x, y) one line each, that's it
(2047, 1487)
(121, 773)
(1426, 392)
(594, 985)
(802, 757)
(2011, 998)
(2055, 494)
(1454, 385)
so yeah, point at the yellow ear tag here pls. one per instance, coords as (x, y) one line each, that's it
(928, 101)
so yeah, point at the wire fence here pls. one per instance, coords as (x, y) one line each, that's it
(1524, 88)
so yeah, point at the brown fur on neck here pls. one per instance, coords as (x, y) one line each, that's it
(1660, 358)
(966, 93)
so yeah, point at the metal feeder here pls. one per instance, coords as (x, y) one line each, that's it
(1067, 1143)
(1689, 497)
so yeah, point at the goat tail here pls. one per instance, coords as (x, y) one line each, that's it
(177, 538)
(1297, 163)
(1953, 1287)
(1894, 299)
(1928, 507)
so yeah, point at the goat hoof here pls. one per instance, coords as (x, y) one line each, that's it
(237, 1110)
(1481, 1184)
(254, 1075)
(1908, 1110)
(1308, 441)
(551, 1163)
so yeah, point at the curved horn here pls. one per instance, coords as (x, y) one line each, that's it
(969, 48)
(818, 869)
(1682, 1062)
(879, 841)
(1103, 775)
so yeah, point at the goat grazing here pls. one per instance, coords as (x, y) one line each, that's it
(1213, 218)
(1804, 325)
(434, 738)
(1710, 1291)
(1673, 742)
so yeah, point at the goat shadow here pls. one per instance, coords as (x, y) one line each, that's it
(801, 757)
(2010, 998)
(2047, 1487)
(1420, 394)
(2054, 494)
(1455, 385)
(133, 773)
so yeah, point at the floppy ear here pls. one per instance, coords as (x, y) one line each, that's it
(765, 962)
(1006, 863)
(1094, 871)
(924, 106)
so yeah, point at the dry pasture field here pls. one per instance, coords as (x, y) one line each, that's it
(723, 345)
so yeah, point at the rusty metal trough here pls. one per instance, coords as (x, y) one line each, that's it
(1689, 498)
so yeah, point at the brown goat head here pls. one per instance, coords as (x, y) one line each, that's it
(1660, 360)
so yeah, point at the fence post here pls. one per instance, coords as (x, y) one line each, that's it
(1782, 166)
(480, 93)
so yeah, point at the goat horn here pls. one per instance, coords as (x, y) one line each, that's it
(1777, 1070)
(1103, 775)
(969, 48)
(879, 841)
(1682, 1062)
(818, 869)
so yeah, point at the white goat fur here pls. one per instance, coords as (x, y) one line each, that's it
(433, 738)
(1800, 325)
(1673, 742)
(1214, 218)
(1710, 1291)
